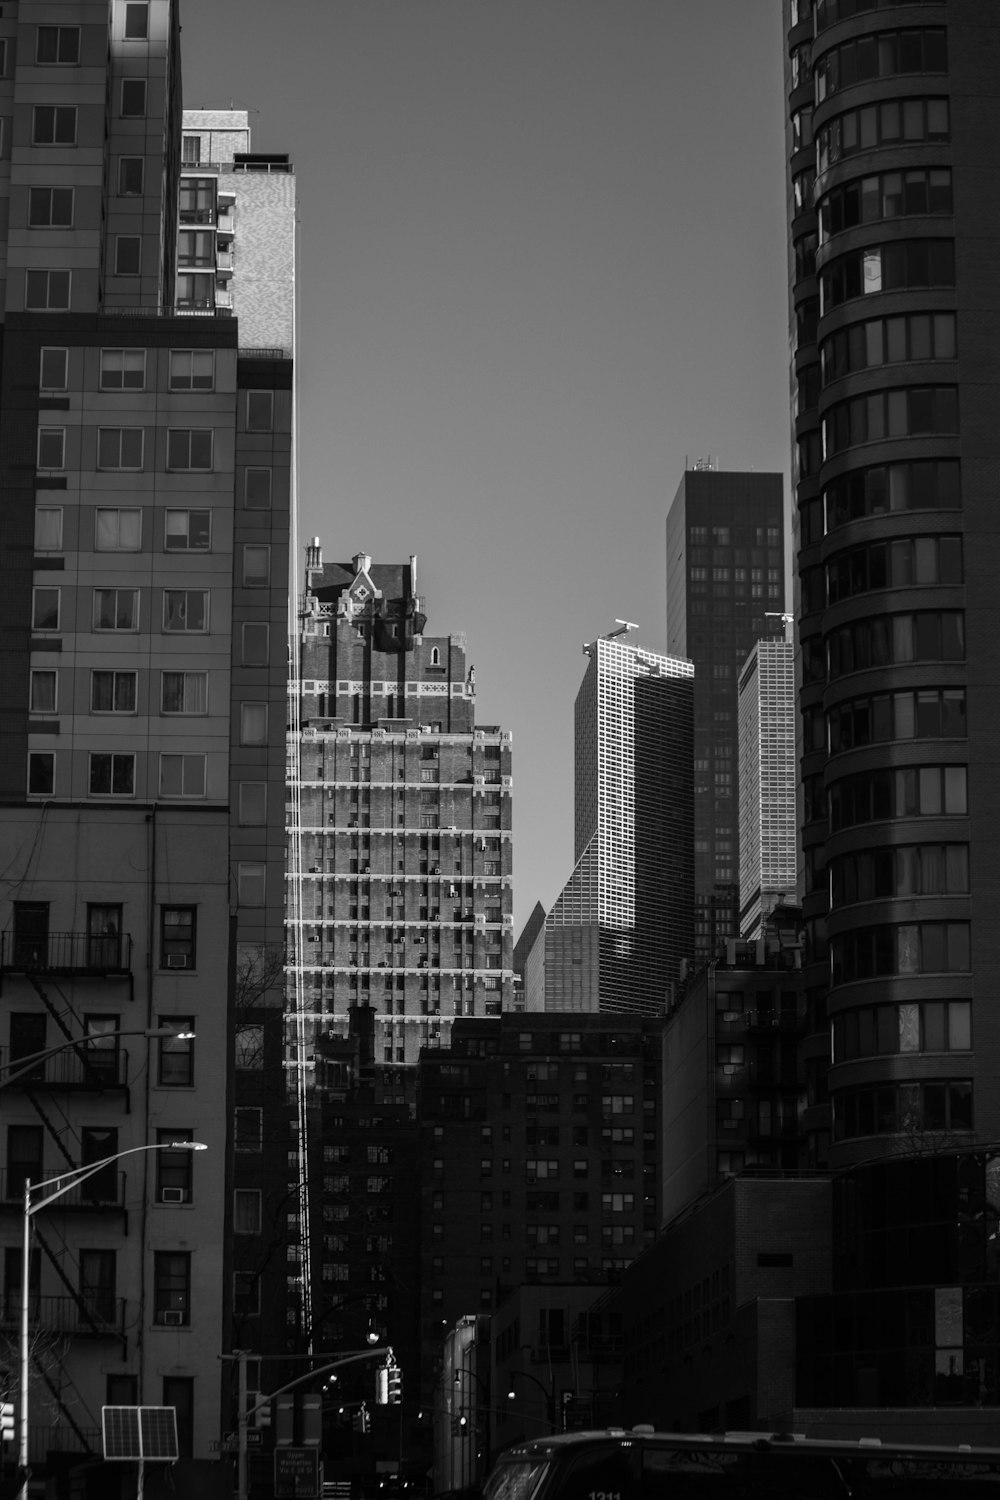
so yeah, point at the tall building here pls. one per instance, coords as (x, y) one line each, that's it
(767, 782)
(401, 855)
(725, 572)
(143, 649)
(619, 934)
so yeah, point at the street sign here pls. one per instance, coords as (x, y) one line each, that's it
(296, 1474)
(255, 1438)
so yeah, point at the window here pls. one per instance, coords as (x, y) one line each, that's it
(131, 176)
(48, 528)
(249, 1128)
(53, 125)
(57, 46)
(893, 122)
(256, 565)
(253, 723)
(253, 803)
(41, 773)
(887, 268)
(123, 369)
(117, 530)
(257, 489)
(188, 531)
(196, 247)
(192, 369)
(924, 484)
(119, 447)
(190, 150)
(174, 1169)
(116, 609)
(197, 200)
(133, 98)
(102, 1031)
(185, 610)
(43, 690)
(189, 448)
(177, 937)
(250, 1048)
(182, 775)
(176, 1060)
(195, 289)
(53, 369)
(260, 411)
(246, 1211)
(256, 643)
(136, 20)
(47, 291)
(172, 1287)
(250, 879)
(51, 447)
(113, 692)
(178, 1392)
(112, 774)
(184, 693)
(50, 208)
(97, 1277)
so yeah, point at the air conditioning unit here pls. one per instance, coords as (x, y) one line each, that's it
(173, 1318)
(173, 1195)
(178, 960)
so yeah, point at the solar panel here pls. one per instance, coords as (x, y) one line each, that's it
(139, 1432)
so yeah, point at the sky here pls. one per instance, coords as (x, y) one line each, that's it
(542, 269)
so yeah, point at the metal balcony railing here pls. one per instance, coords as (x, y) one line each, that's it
(70, 953)
(105, 1190)
(85, 1067)
(91, 1315)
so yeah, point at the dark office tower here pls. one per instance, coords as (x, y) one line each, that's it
(893, 186)
(725, 572)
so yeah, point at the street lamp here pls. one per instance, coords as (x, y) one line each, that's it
(550, 1396)
(30, 1061)
(61, 1184)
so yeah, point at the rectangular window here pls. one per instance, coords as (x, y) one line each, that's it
(113, 692)
(257, 489)
(50, 208)
(196, 247)
(185, 610)
(190, 150)
(253, 803)
(57, 46)
(117, 530)
(116, 609)
(123, 369)
(172, 1288)
(189, 448)
(253, 723)
(182, 775)
(256, 643)
(48, 528)
(97, 1269)
(197, 200)
(178, 926)
(120, 448)
(44, 682)
(188, 531)
(53, 369)
(41, 773)
(53, 125)
(44, 609)
(131, 176)
(128, 254)
(249, 1128)
(184, 693)
(133, 98)
(112, 774)
(249, 1047)
(256, 566)
(195, 289)
(246, 1211)
(260, 411)
(52, 447)
(176, 1061)
(174, 1169)
(250, 878)
(47, 291)
(192, 369)
(136, 20)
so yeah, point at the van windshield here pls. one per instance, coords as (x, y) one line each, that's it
(515, 1480)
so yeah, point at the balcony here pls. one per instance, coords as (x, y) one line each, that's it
(94, 1315)
(102, 1193)
(88, 1068)
(76, 955)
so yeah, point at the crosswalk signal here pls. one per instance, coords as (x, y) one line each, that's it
(6, 1421)
(262, 1415)
(382, 1385)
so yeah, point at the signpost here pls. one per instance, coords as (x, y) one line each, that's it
(296, 1473)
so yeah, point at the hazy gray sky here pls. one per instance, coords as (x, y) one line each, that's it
(542, 262)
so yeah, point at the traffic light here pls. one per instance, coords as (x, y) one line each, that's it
(382, 1385)
(262, 1416)
(394, 1380)
(362, 1421)
(6, 1421)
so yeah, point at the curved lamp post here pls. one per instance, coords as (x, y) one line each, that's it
(550, 1396)
(59, 1185)
(30, 1061)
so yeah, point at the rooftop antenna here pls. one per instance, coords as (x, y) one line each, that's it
(624, 626)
